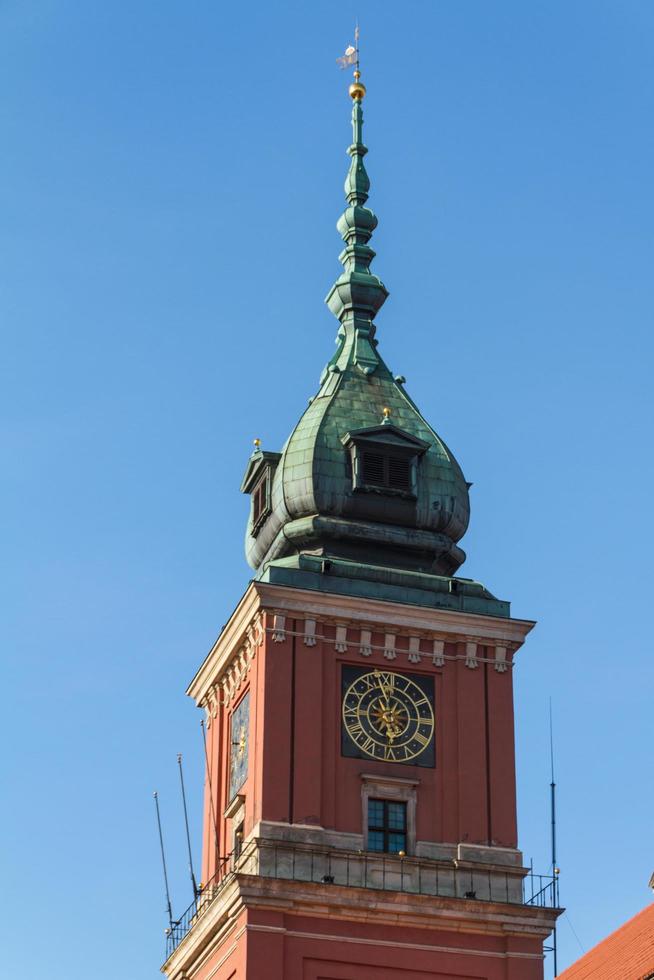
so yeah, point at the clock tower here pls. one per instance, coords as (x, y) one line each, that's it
(360, 799)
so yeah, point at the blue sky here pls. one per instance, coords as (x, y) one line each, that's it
(170, 179)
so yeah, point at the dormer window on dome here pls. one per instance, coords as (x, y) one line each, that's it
(261, 500)
(384, 460)
(386, 472)
(258, 483)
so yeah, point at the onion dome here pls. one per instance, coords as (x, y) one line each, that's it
(363, 481)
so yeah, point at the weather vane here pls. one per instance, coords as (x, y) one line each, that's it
(351, 57)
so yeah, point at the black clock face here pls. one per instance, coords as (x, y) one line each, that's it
(387, 715)
(238, 756)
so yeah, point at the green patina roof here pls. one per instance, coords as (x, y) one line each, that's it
(314, 508)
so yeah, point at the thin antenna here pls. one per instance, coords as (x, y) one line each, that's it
(555, 870)
(163, 861)
(213, 812)
(196, 890)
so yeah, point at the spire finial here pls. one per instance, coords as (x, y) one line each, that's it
(357, 89)
(357, 295)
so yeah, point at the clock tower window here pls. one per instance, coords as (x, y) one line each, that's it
(387, 826)
(398, 799)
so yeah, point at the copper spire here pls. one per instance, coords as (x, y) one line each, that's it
(357, 295)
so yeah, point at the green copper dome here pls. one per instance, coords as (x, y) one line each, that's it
(363, 478)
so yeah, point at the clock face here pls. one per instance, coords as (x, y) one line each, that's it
(388, 716)
(238, 756)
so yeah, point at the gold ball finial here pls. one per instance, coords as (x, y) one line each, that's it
(257, 443)
(386, 412)
(357, 88)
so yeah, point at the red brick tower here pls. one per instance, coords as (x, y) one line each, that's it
(360, 811)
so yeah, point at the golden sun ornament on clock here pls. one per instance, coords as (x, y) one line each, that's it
(388, 716)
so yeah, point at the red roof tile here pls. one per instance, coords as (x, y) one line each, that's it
(627, 954)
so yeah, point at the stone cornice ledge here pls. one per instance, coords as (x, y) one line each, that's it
(382, 613)
(341, 903)
(344, 903)
(230, 636)
(396, 908)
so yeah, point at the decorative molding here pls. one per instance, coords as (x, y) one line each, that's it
(382, 613)
(340, 643)
(389, 646)
(309, 632)
(372, 777)
(500, 660)
(277, 605)
(471, 655)
(394, 944)
(224, 692)
(414, 650)
(279, 628)
(210, 704)
(259, 632)
(233, 808)
(232, 675)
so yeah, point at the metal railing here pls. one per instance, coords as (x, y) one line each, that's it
(207, 892)
(368, 869)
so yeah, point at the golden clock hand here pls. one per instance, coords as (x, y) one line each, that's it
(383, 706)
(384, 688)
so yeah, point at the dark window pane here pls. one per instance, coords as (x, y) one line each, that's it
(259, 496)
(386, 826)
(396, 842)
(376, 813)
(396, 816)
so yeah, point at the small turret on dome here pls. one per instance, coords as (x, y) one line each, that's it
(364, 489)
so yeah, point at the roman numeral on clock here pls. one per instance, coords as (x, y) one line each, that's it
(368, 745)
